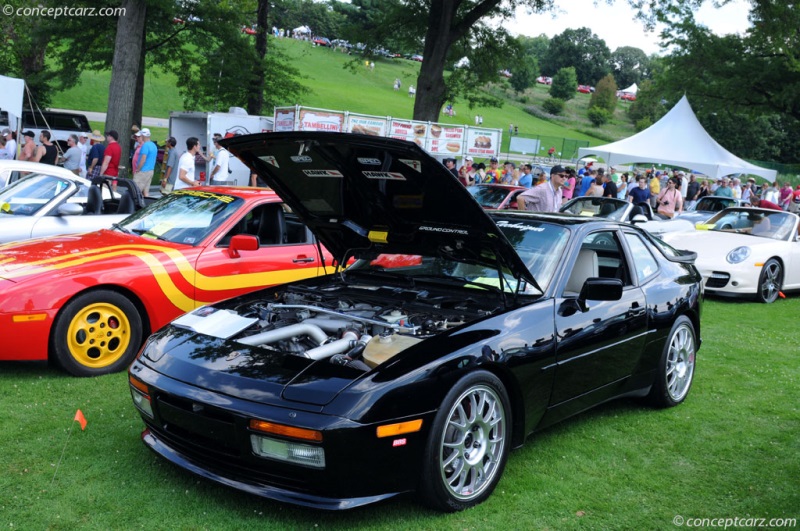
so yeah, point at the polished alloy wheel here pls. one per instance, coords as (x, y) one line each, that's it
(680, 362)
(473, 442)
(771, 278)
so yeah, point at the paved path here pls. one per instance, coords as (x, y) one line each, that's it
(147, 121)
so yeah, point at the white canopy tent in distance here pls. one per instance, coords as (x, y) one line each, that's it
(679, 140)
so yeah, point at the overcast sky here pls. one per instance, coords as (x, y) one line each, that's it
(615, 24)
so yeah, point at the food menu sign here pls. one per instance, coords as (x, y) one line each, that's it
(284, 120)
(409, 130)
(445, 140)
(435, 138)
(366, 125)
(314, 120)
(482, 142)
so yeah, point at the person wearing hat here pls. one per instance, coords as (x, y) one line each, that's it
(465, 174)
(11, 144)
(96, 153)
(547, 197)
(145, 163)
(28, 151)
(493, 173)
(83, 146)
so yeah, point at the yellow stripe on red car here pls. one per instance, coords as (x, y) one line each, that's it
(147, 254)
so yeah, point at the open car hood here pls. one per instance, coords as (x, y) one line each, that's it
(363, 195)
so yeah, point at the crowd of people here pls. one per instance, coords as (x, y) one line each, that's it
(668, 192)
(99, 155)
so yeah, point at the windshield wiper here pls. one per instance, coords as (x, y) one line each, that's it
(120, 228)
(463, 281)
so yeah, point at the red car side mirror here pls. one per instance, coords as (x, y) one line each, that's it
(242, 242)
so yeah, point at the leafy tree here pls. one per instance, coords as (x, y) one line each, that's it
(629, 65)
(564, 84)
(525, 69)
(581, 49)
(535, 47)
(324, 19)
(605, 95)
(649, 106)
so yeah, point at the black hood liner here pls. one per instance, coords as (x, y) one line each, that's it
(363, 195)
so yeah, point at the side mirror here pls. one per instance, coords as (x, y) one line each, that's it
(601, 289)
(70, 209)
(242, 242)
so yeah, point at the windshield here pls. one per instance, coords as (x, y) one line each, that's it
(29, 195)
(540, 245)
(713, 204)
(603, 207)
(761, 223)
(489, 196)
(184, 216)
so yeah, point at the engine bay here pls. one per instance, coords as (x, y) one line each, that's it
(360, 326)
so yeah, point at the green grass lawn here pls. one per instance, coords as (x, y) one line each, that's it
(731, 450)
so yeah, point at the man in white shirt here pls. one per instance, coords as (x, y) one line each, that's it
(220, 171)
(11, 144)
(83, 145)
(186, 165)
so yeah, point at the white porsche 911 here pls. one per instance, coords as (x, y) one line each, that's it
(746, 252)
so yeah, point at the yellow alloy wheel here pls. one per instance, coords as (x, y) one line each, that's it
(98, 335)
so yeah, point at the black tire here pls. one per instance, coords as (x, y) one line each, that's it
(97, 332)
(676, 367)
(468, 446)
(770, 281)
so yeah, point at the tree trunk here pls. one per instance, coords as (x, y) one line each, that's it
(124, 73)
(138, 101)
(431, 90)
(255, 96)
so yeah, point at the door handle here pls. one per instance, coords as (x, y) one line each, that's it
(300, 260)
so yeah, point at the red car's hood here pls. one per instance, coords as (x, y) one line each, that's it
(41, 256)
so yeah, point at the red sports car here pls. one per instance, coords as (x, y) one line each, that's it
(88, 301)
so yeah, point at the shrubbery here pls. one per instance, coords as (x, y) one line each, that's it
(553, 105)
(598, 116)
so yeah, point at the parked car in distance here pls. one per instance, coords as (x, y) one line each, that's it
(50, 200)
(544, 80)
(746, 252)
(61, 124)
(321, 41)
(640, 214)
(585, 89)
(88, 301)
(627, 96)
(496, 196)
(456, 334)
(707, 207)
(416, 57)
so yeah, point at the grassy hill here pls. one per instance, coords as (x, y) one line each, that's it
(332, 86)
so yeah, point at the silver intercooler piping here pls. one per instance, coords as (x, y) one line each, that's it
(299, 329)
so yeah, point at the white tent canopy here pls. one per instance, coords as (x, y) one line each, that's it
(302, 29)
(12, 92)
(677, 139)
(633, 89)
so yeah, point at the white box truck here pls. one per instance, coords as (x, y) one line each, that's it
(203, 125)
